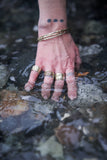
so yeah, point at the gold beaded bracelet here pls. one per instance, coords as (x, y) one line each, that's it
(53, 34)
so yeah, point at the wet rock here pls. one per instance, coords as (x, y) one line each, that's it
(5, 148)
(43, 108)
(90, 159)
(90, 39)
(39, 108)
(89, 52)
(68, 135)
(51, 147)
(21, 112)
(12, 87)
(3, 46)
(4, 75)
(11, 104)
(103, 142)
(104, 86)
(93, 27)
(88, 94)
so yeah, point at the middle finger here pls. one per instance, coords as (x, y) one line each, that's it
(59, 83)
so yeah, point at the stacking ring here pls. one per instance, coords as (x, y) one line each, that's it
(59, 76)
(49, 74)
(36, 68)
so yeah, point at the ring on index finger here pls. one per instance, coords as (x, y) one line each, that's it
(36, 68)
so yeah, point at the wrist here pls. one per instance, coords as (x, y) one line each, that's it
(45, 28)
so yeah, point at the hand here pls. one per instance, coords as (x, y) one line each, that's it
(58, 55)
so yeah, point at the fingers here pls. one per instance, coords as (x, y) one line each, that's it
(57, 89)
(46, 87)
(71, 84)
(32, 78)
(77, 59)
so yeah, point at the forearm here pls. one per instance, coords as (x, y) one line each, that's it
(52, 16)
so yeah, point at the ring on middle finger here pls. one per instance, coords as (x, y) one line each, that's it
(49, 74)
(59, 76)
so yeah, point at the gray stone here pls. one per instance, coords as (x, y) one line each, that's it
(104, 86)
(90, 159)
(93, 27)
(51, 147)
(12, 87)
(88, 94)
(5, 148)
(93, 49)
(103, 142)
(4, 75)
(87, 53)
(43, 108)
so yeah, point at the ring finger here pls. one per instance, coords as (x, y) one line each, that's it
(46, 86)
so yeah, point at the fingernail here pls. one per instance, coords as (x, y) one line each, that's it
(55, 99)
(27, 89)
(45, 97)
(72, 97)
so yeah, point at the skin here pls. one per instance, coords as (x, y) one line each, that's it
(58, 55)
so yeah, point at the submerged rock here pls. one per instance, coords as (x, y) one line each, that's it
(68, 135)
(21, 112)
(11, 104)
(51, 147)
(104, 86)
(4, 75)
(93, 27)
(93, 49)
(90, 159)
(87, 53)
(88, 94)
(103, 143)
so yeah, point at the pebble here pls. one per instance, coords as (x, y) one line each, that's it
(51, 147)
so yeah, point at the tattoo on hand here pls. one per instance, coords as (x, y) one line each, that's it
(55, 20)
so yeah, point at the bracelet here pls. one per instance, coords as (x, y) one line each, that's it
(53, 34)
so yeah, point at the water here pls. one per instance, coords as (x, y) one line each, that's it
(27, 122)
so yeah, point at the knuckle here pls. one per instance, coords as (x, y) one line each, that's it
(70, 79)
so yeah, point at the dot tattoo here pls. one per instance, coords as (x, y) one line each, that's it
(55, 20)
(49, 20)
(61, 20)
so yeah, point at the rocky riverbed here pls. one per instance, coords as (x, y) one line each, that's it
(32, 128)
